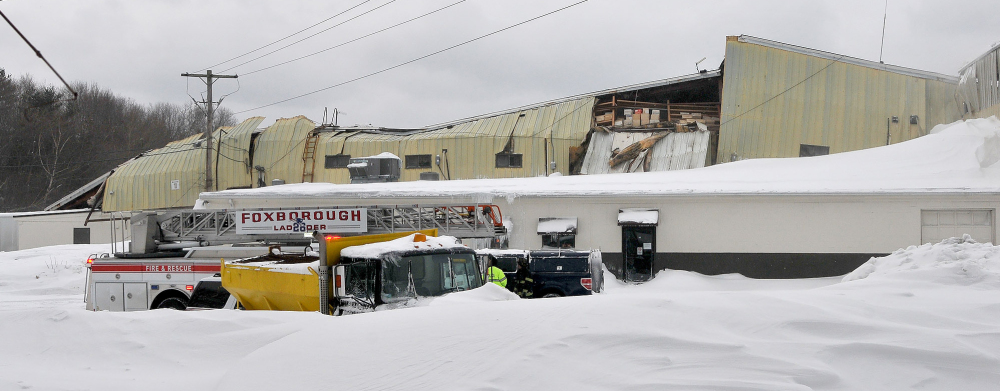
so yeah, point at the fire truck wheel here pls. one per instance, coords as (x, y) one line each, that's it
(173, 303)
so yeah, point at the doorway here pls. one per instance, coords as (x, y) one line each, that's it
(638, 251)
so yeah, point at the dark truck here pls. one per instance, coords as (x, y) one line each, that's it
(555, 273)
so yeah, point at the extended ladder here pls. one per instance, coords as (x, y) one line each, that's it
(219, 226)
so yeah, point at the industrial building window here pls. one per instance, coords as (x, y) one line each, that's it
(558, 241)
(337, 161)
(508, 160)
(81, 235)
(813, 150)
(418, 161)
(557, 232)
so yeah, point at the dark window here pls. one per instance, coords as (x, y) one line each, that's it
(209, 294)
(81, 235)
(418, 161)
(560, 264)
(507, 264)
(813, 150)
(508, 160)
(558, 241)
(337, 161)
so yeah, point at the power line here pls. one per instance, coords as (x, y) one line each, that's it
(358, 38)
(885, 15)
(416, 59)
(39, 54)
(289, 36)
(303, 39)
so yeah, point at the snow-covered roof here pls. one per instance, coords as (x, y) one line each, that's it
(556, 225)
(959, 157)
(406, 243)
(633, 216)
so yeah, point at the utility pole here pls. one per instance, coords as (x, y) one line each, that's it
(209, 78)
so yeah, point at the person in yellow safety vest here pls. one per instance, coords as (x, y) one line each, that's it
(494, 274)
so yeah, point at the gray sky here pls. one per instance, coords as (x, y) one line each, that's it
(139, 48)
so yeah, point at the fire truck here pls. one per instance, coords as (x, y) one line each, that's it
(170, 251)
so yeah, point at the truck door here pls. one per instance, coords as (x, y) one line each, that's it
(638, 251)
(135, 296)
(109, 296)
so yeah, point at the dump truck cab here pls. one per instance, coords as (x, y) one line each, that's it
(386, 275)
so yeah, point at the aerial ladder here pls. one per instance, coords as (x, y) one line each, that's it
(157, 232)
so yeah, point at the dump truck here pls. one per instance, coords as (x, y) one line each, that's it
(368, 273)
(165, 253)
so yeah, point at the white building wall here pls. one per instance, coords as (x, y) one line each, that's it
(704, 223)
(748, 223)
(22, 231)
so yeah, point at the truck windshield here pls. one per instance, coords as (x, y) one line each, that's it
(428, 275)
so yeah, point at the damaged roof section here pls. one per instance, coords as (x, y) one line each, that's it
(617, 152)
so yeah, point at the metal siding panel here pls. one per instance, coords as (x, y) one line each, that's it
(841, 108)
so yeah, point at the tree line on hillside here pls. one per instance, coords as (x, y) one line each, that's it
(51, 145)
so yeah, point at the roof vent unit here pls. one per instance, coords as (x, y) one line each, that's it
(430, 176)
(384, 167)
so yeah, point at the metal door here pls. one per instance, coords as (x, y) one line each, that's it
(109, 296)
(638, 251)
(135, 296)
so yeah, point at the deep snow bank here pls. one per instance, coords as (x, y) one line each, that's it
(960, 261)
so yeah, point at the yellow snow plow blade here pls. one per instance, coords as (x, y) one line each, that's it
(291, 284)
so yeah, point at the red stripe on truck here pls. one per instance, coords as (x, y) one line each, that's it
(155, 268)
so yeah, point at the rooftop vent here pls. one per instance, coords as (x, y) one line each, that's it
(384, 167)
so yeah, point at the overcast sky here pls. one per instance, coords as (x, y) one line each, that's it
(139, 48)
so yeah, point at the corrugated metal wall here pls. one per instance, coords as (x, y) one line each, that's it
(547, 131)
(234, 165)
(278, 149)
(472, 146)
(773, 100)
(979, 88)
(145, 183)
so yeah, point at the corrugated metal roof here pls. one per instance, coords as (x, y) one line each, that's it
(537, 134)
(676, 151)
(92, 185)
(633, 87)
(278, 149)
(849, 60)
(234, 166)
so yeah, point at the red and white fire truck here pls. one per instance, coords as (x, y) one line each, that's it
(170, 251)
(135, 284)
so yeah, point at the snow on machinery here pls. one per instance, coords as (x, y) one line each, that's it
(172, 250)
(367, 271)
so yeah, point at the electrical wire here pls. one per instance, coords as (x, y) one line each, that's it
(356, 39)
(303, 39)
(289, 36)
(783, 92)
(416, 59)
(39, 54)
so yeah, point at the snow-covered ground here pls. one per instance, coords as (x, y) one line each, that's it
(925, 317)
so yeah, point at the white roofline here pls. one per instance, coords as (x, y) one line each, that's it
(849, 60)
(981, 56)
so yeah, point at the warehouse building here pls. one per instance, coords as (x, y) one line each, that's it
(764, 218)
(768, 99)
